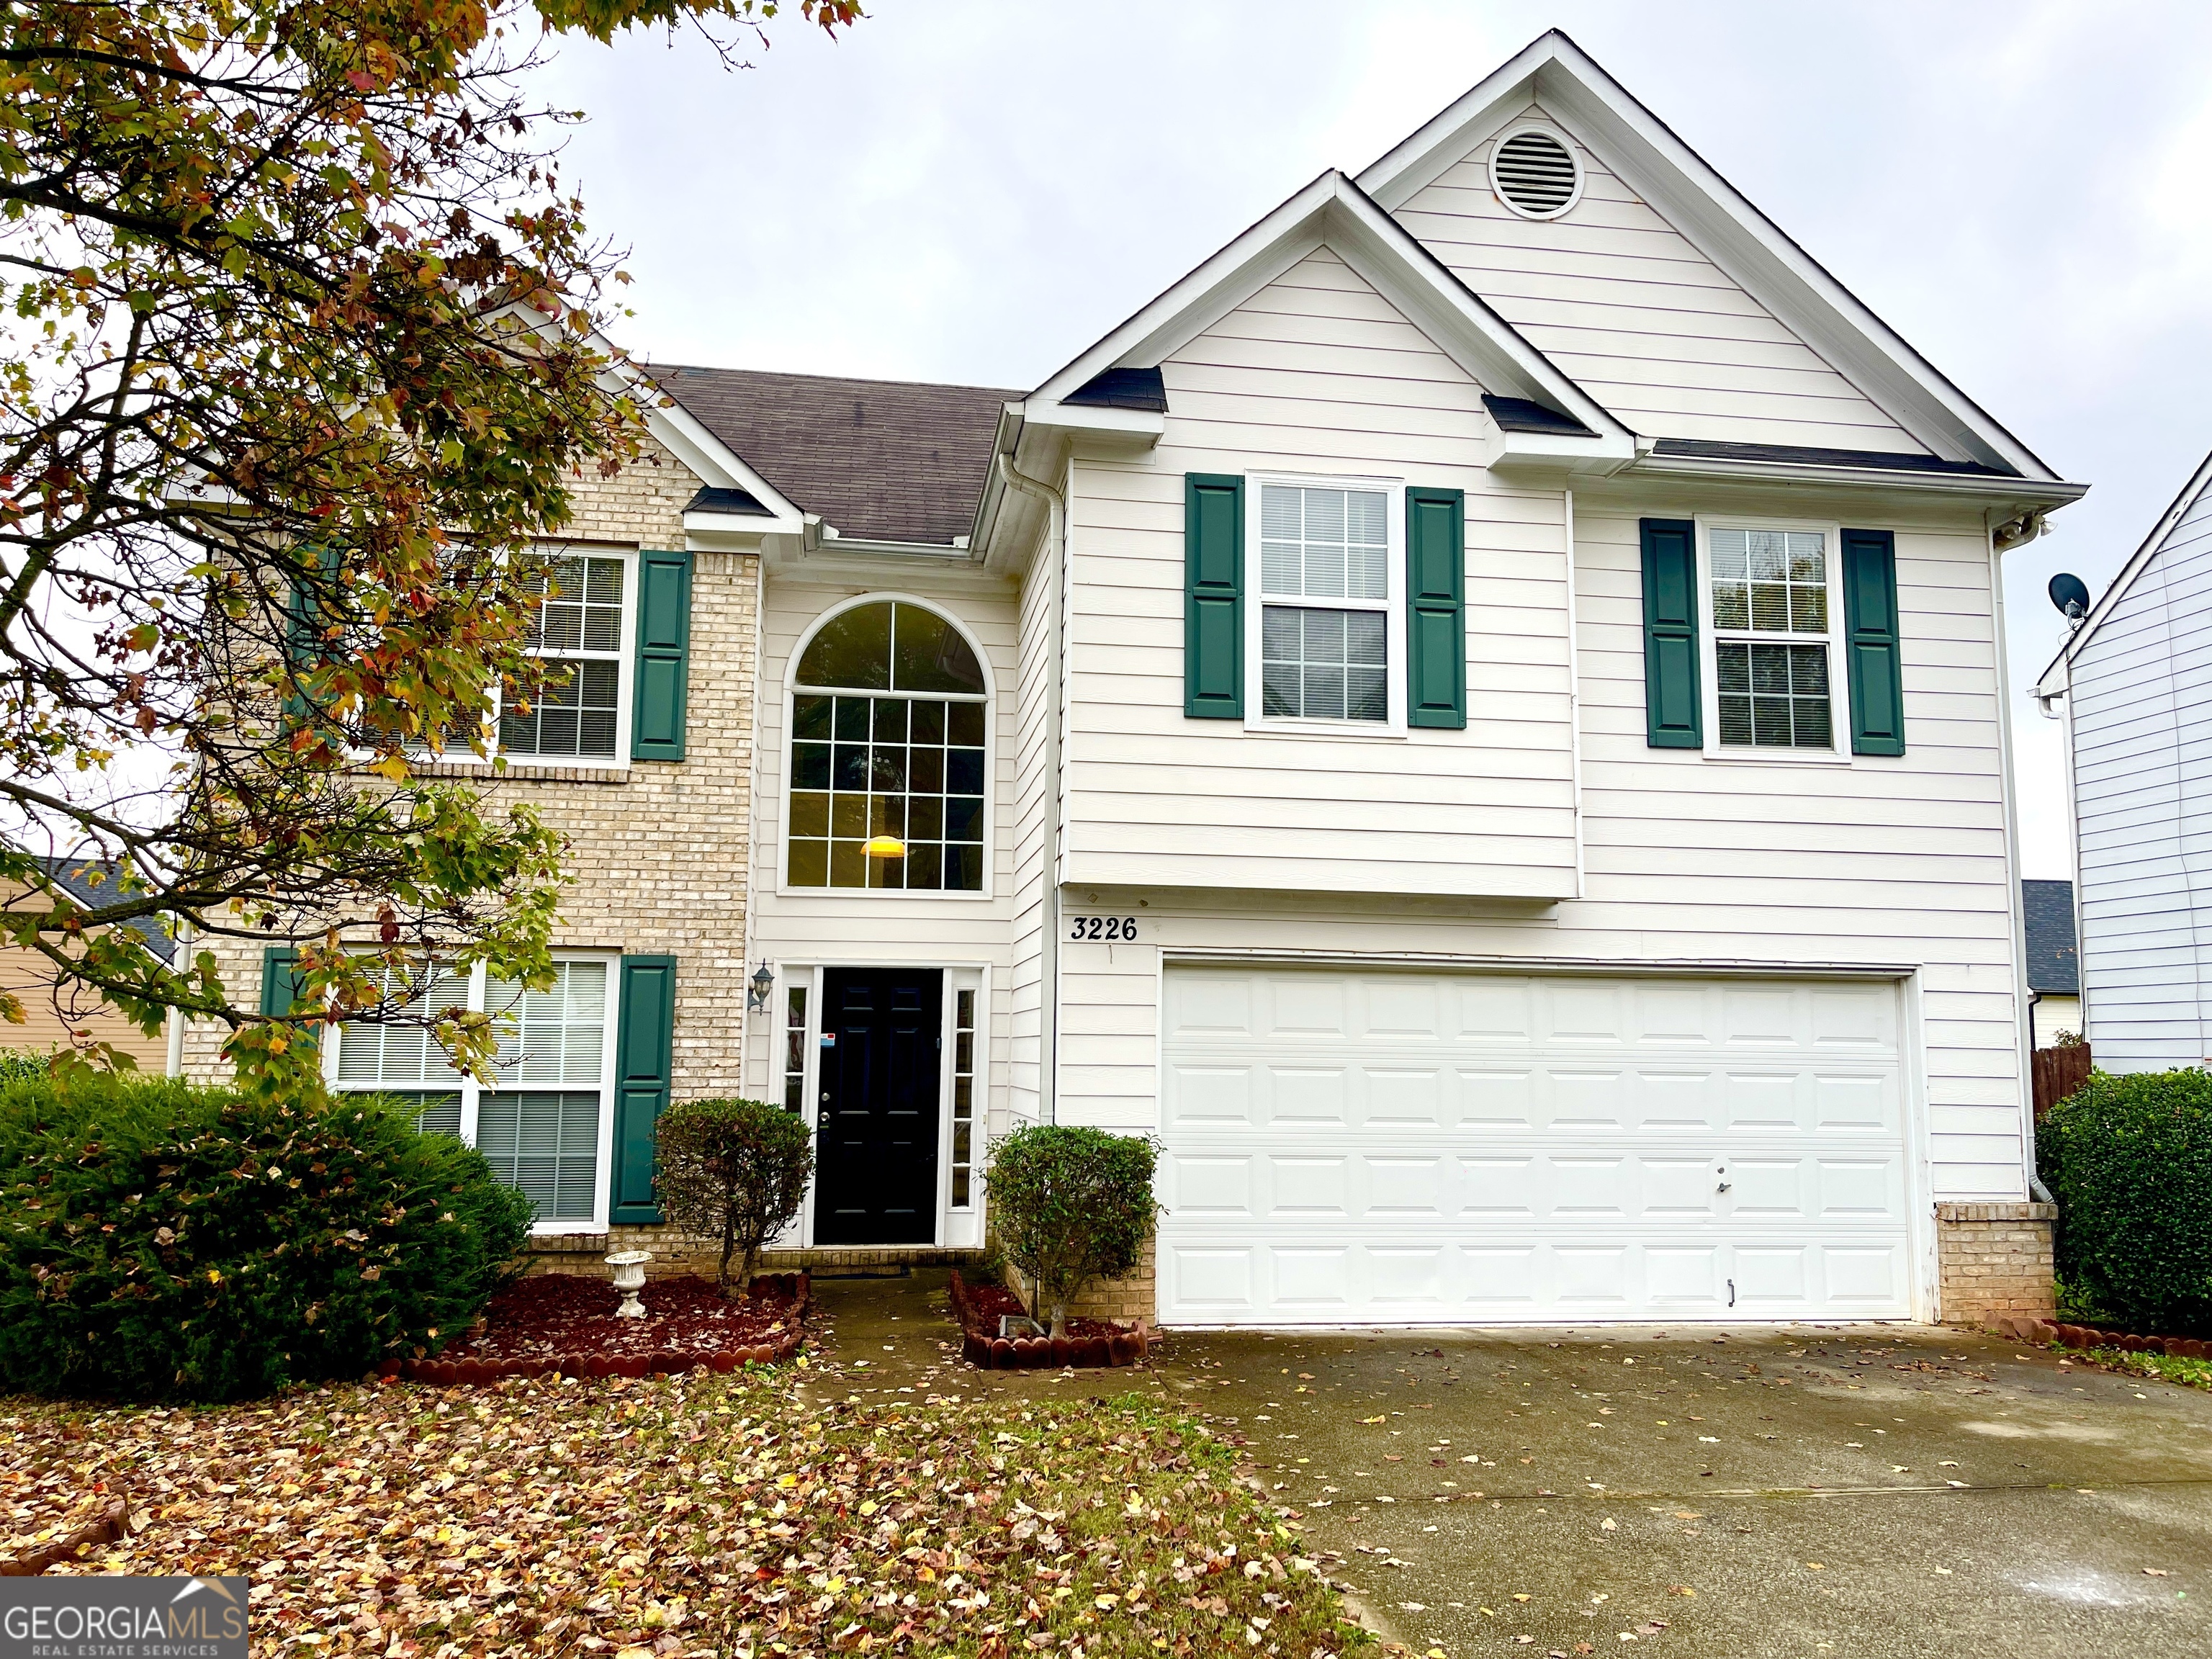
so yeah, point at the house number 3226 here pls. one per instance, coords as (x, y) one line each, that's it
(1108, 928)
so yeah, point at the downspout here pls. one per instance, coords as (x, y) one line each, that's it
(2024, 1038)
(175, 1058)
(1049, 874)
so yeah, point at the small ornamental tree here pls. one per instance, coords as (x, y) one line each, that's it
(2130, 1160)
(732, 1169)
(1070, 1205)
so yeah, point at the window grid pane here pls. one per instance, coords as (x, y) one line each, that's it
(794, 1050)
(963, 1097)
(546, 1145)
(577, 634)
(1323, 665)
(1774, 697)
(909, 768)
(1323, 544)
(553, 1035)
(371, 1054)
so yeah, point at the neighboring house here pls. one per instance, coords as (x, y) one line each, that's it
(1477, 718)
(2054, 969)
(2136, 681)
(51, 1021)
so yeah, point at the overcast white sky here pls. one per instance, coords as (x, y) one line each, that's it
(974, 190)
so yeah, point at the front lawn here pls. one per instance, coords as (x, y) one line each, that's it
(705, 1515)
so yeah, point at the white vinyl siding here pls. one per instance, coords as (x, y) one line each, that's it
(2141, 728)
(1688, 862)
(1628, 307)
(1316, 376)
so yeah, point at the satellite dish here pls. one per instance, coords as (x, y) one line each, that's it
(2071, 595)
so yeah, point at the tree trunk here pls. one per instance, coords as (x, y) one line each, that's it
(729, 1249)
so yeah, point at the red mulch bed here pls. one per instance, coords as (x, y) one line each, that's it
(565, 1323)
(1089, 1342)
(2100, 1336)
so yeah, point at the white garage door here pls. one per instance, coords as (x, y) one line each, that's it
(1354, 1146)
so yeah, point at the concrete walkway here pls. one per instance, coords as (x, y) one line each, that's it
(1857, 1490)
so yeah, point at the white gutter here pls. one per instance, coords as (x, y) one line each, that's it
(175, 1062)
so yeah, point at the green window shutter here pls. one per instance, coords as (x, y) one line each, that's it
(1870, 642)
(1673, 714)
(1213, 597)
(303, 633)
(1435, 608)
(664, 644)
(645, 1042)
(280, 985)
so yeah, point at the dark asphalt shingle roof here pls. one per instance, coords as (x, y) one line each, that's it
(888, 460)
(2053, 965)
(1524, 414)
(1714, 449)
(1143, 389)
(76, 876)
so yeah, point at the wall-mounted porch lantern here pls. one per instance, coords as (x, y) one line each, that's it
(761, 988)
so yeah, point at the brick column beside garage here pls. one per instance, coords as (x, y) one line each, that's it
(1994, 1260)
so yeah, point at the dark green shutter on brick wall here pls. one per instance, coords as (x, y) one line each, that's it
(664, 646)
(1870, 642)
(1674, 715)
(1213, 597)
(645, 1043)
(1435, 608)
(280, 985)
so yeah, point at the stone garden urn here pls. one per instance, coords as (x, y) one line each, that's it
(630, 1279)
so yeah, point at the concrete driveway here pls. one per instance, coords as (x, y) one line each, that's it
(1870, 1491)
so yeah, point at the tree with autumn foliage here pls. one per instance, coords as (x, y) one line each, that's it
(301, 359)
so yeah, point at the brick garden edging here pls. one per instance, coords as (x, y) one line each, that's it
(449, 1373)
(980, 1348)
(2098, 1336)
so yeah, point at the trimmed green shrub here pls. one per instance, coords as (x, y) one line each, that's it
(160, 1240)
(2130, 1160)
(1070, 1205)
(21, 1065)
(734, 1170)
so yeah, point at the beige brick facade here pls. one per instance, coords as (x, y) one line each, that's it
(657, 849)
(1993, 1260)
(1130, 1300)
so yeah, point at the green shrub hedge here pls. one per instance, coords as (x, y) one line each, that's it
(2130, 1160)
(1069, 1205)
(160, 1240)
(734, 1170)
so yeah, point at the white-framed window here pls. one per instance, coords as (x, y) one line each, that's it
(1325, 623)
(890, 755)
(546, 1123)
(1773, 603)
(580, 715)
(966, 1125)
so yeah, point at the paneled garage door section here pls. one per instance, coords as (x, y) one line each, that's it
(1347, 1147)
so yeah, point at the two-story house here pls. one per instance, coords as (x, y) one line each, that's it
(1477, 717)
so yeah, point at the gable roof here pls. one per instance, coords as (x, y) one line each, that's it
(877, 460)
(91, 883)
(2053, 680)
(1334, 212)
(1717, 219)
(2054, 966)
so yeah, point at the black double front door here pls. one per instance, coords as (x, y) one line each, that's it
(876, 1140)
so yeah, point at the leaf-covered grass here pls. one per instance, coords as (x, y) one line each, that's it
(706, 1515)
(2159, 1368)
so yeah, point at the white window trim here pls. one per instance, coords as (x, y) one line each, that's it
(958, 980)
(778, 756)
(1839, 696)
(1393, 609)
(626, 672)
(472, 1091)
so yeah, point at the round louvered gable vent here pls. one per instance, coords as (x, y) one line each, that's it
(1534, 174)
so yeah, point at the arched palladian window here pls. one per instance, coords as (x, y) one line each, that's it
(887, 754)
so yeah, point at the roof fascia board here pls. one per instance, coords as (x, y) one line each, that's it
(717, 464)
(2199, 481)
(1715, 218)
